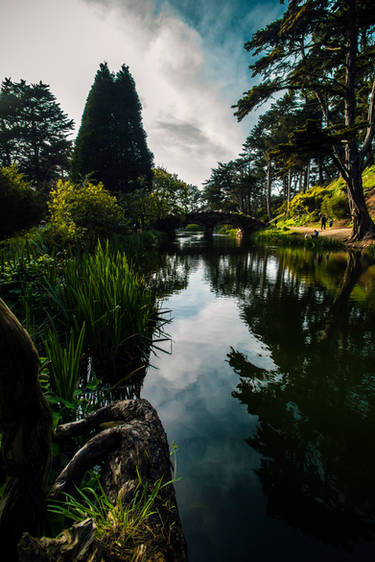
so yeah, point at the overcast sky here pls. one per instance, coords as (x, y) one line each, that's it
(186, 57)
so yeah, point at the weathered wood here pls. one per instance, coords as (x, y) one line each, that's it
(136, 444)
(26, 427)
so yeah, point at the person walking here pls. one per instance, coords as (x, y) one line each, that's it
(323, 222)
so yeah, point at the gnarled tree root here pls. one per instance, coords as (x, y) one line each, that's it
(131, 442)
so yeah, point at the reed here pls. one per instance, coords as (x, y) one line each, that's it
(65, 364)
(101, 291)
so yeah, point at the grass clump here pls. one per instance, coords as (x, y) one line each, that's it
(119, 528)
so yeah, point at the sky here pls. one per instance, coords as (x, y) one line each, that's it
(186, 57)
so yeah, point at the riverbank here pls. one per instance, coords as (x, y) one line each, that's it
(341, 234)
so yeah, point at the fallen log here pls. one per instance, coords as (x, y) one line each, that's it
(135, 456)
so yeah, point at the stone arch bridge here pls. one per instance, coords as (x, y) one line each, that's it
(210, 219)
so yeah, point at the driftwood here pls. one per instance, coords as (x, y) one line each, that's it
(26, 427)
(131, 441)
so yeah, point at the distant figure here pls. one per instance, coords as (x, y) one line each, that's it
(315, 233)
(323, 222)
(330, 223)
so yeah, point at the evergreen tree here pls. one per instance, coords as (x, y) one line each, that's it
(93, 149)
(33, 131)
(111, 143)
(325, 47)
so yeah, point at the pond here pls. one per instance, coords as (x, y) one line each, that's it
(268, 391)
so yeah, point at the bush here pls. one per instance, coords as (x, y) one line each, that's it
(335, 205)
(309, 203)
(84, 212)
(20, 205)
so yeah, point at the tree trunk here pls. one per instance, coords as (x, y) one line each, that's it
(320, 171)
(26, 426)
(269, 186)
(363, 227)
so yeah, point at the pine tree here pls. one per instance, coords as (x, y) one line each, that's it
(326, 48)
(33, 131)
(111, 143)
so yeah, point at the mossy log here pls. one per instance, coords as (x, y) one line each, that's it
(26, 427)
(128, 438)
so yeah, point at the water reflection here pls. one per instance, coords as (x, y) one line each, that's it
(316, 411)
(298, 330)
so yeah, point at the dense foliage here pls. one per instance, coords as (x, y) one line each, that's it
(20, 205)
(86, 212)
(325, 49)
(111, 143)
(33, 131)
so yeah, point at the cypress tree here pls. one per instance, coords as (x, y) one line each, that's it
(94, 143)
(111, 143)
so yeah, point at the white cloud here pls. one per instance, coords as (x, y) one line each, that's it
(186, 99)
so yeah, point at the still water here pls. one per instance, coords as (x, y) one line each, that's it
(269, 394)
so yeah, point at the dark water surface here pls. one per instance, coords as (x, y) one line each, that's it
(269, 393)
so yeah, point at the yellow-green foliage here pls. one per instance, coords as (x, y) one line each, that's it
(86, 210)
(368, 178)
(308, 204)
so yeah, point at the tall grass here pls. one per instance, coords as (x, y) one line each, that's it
(119, 525)
(64, 372)
(101, 291)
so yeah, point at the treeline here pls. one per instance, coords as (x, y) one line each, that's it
(321, 54)
(105, 181)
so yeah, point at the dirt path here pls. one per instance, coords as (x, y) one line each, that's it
(337, 233)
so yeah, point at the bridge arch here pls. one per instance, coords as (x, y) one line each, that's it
(210, 219)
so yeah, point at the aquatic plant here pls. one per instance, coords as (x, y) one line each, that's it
(101, 291)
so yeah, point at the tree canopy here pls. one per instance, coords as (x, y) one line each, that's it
(325, 48)
(33, 131)
(111, 143)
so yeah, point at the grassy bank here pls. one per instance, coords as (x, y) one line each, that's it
(286, 237)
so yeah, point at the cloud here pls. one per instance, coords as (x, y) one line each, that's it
(186, 57)
(188, 119)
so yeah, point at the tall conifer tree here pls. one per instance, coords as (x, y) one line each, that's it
(111, 143)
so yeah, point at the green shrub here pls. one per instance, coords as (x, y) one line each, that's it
(84, 212)
(335, 205)
(308, 203)
(20, 205)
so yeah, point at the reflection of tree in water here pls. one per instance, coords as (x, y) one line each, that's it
(317, 412)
